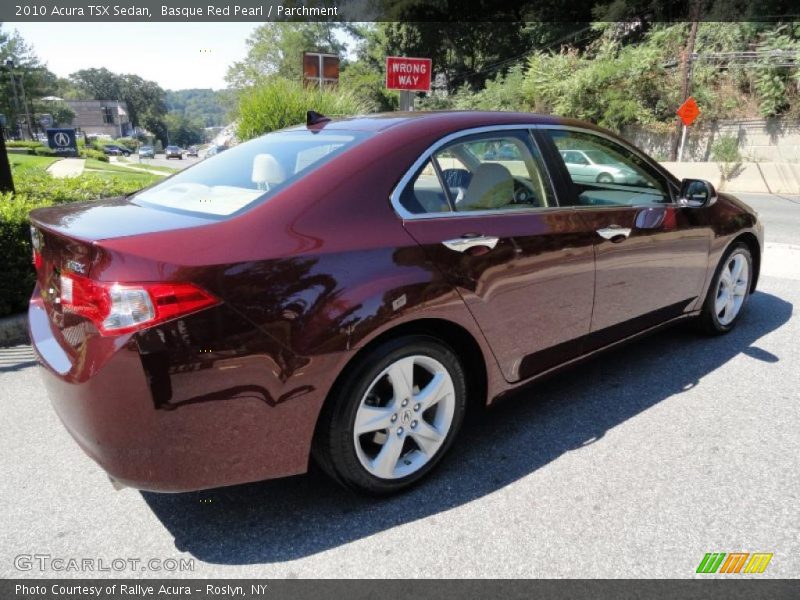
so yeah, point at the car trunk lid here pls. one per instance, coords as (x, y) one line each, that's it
(68, 240)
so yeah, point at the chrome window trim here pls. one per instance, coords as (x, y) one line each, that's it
(428, 154)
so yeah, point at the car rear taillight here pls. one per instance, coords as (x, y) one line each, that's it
(36, 245)
(117, 308)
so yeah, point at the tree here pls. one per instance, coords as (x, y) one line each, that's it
(207, 106)
(29, 73)
(182, 130)
(59, 111)
(99, 84)
(147, 101)
(277, 49)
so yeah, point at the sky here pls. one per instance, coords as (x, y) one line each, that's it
(174, 55)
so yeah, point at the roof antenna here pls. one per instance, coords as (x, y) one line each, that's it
(315, 118)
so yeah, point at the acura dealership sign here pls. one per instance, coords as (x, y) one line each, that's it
(62, 141)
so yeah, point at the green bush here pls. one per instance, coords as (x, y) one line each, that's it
(726, 149)
(35, 188)
(44, 151)
(18, 277)
(726, 152)
(95, 154)
(276, 103)
(22, 144)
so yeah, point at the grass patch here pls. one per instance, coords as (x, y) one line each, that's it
(21, 162)
(127, 176)
(96, 167)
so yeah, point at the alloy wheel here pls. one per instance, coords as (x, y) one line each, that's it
(404, 417)
(732, 288)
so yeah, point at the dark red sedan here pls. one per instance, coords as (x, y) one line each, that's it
(349, 289)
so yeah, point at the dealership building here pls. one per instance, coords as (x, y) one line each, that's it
(101, 117)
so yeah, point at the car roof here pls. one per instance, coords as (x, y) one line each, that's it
(439, 119)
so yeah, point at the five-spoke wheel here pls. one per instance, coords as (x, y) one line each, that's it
(729, 290)
(394, 415)
(404, 417)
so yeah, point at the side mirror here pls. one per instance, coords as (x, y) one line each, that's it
(697, 193)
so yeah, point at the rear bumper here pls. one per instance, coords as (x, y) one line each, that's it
(223, 422)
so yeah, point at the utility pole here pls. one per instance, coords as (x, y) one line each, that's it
(15, 120)
(686, 76)
(25, 106)
(10, 67)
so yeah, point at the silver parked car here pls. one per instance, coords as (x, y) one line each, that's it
(595, 165)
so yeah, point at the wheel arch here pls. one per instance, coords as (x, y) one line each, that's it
(751, 241)
(455, 336)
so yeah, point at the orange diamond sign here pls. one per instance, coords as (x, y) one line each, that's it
(688, 111)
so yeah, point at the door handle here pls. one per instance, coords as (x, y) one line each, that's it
(463, 244)
(614, 233)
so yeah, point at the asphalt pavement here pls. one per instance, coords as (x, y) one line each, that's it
(634, 465)
(160, 160)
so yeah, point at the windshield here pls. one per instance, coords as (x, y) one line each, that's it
(232, 180)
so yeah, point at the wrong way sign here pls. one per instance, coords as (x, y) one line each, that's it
(408, 74)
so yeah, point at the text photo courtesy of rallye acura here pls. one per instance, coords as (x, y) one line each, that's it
(348, 289)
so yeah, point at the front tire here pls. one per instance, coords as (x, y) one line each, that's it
(729, 290)
(393, 417)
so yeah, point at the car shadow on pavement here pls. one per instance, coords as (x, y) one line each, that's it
(16, 358)
(280, 520)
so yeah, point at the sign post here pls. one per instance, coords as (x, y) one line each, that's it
(408, 75)
(688, 112)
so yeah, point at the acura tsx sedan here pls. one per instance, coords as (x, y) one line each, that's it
(348, 289)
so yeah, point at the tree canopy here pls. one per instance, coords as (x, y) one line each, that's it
(277, 48)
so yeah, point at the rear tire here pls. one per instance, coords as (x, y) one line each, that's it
(729, 290)
(605, 178)
(393, 417)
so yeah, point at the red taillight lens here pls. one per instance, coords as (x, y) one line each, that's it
(117, 308)
(36, 244)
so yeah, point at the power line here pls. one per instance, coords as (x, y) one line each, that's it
(749, 58)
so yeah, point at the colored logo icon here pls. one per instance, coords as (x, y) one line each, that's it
(734, 562)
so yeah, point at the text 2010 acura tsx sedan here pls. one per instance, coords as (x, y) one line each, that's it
(349, 289)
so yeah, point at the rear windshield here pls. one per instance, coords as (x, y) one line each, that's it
(232, 180)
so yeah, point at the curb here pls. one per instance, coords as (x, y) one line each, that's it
(14, 330)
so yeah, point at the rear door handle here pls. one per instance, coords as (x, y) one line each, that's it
(615, 233)
(463, 244)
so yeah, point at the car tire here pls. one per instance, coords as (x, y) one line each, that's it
(401, 439)
(605, 178)
(729, 290)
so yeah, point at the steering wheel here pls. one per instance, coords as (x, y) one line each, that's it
(524, 193)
